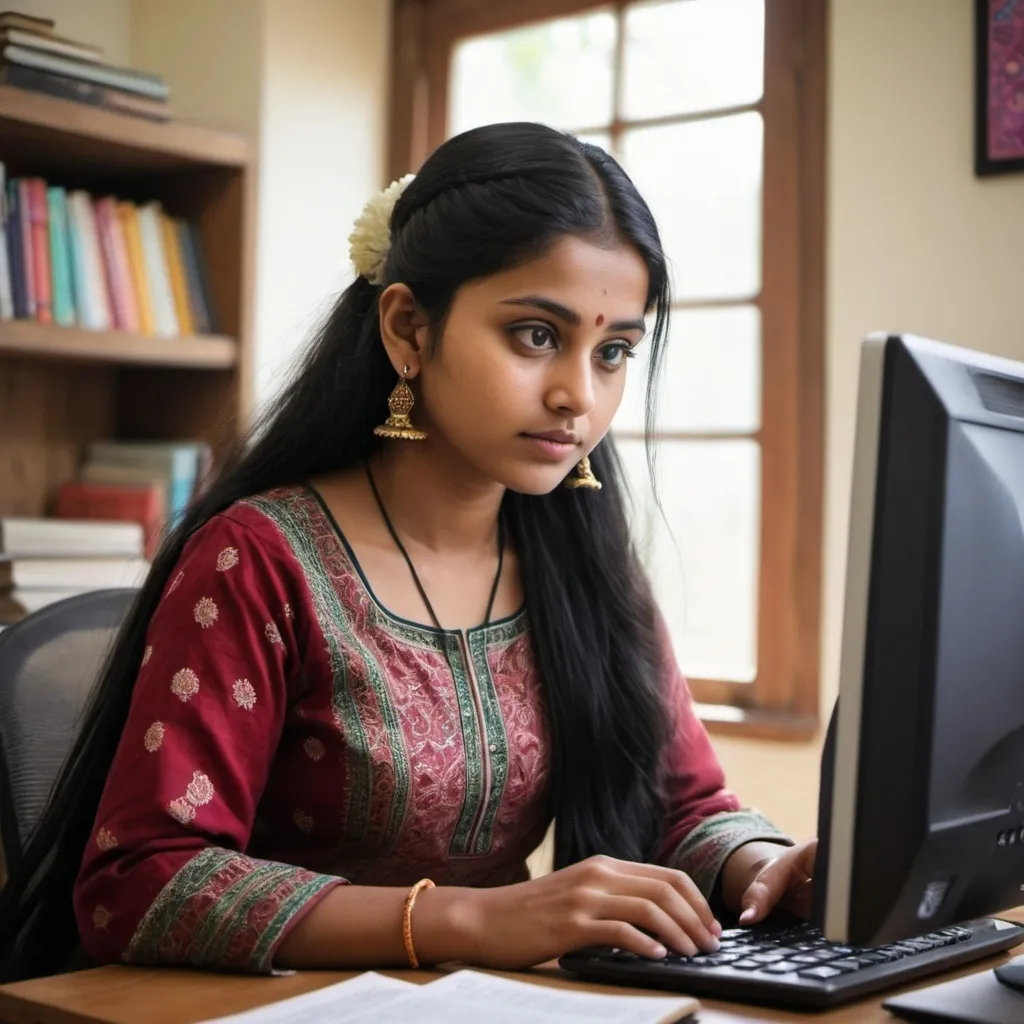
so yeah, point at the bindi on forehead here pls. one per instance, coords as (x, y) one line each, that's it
(599, 320)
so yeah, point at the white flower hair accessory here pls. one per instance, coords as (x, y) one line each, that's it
(370, 240)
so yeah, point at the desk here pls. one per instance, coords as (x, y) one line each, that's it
(129, 995)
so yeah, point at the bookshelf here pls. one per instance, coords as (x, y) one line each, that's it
(62, 387)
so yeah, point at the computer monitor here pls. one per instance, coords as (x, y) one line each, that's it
(921, 816)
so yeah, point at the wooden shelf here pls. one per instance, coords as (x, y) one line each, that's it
(103, 137)
(45, 341)
(62, 387)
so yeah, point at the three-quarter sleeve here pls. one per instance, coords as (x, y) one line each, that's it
(165, 878)
(705, 822)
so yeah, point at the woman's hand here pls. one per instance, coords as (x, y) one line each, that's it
(761, 876)
(598, 902)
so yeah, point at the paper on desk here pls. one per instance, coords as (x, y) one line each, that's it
(343, 1003)
(464, 996)
(473, 996)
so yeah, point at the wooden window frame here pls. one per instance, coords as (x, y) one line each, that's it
(783, 701)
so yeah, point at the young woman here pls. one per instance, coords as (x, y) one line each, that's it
(404, 629)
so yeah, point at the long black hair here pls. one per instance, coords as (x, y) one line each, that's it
(484, 201)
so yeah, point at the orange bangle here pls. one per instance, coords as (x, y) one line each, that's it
(410, 901)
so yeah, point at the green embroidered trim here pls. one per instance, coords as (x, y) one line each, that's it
(229, 913)
(495, 736)
(472, 747)
(703, 852)
(296, 532)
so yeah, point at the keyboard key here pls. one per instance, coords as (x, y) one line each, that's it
(806, 958)
(781, 968)
(746, 965)
(823, 972)
(873, 957)
(722, 959)
(768, 958)
(846, 964)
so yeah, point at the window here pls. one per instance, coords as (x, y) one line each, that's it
(716, 109)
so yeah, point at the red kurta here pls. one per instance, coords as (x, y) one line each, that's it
(287, 734)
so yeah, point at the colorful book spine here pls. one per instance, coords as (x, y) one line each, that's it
(129, 216)
(6, 280)
(157, 274)
(39, 218)
(120, 287)
(204, 278)
(176, 269)
(27, 257)
(16, 252)
(64, 312)
(95, 314)
(197, 303)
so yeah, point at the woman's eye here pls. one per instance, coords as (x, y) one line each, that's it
(534, 336)
(615, 355)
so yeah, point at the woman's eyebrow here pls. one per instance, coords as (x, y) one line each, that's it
(570, 316)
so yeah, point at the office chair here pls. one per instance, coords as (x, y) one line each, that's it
(49, 662)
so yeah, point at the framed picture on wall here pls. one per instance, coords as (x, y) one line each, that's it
(999, 86)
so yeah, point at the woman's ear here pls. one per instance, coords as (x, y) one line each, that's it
(404, 329)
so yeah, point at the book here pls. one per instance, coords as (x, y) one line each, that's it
(28, 260)
(128, 79)
(22, 536)
(179, 464)
(89, 271)
(16, 252)
(27, 22)
(6, 282)
(176, 271)
(203, 277)
(158, 275)
(60, 259)
(195, 286)
(129, 216)
(39, 219)
(467, 996)
(143, 502)
(71, 573)
(117, 275)
(77, 91)
(50, 44)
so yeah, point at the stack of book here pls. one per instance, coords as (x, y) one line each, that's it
(101, 264)
(34, 57)
(47, 560)
(150, 482)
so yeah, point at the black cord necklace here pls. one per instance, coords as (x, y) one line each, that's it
(412, 568)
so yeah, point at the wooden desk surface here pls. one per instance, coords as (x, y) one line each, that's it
(127, 995)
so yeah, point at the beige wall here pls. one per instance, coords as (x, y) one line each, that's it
(322, 141)
(210, 52)
(915, 243)
(105, 23)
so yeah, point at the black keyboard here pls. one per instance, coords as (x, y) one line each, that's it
(794, 966)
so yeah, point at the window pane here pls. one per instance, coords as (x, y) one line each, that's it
(702, 180)
(704, 562)
(558, 72)
(710, 378)
(683, 57)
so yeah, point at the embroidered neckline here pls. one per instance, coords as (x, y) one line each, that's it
(511, 625)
